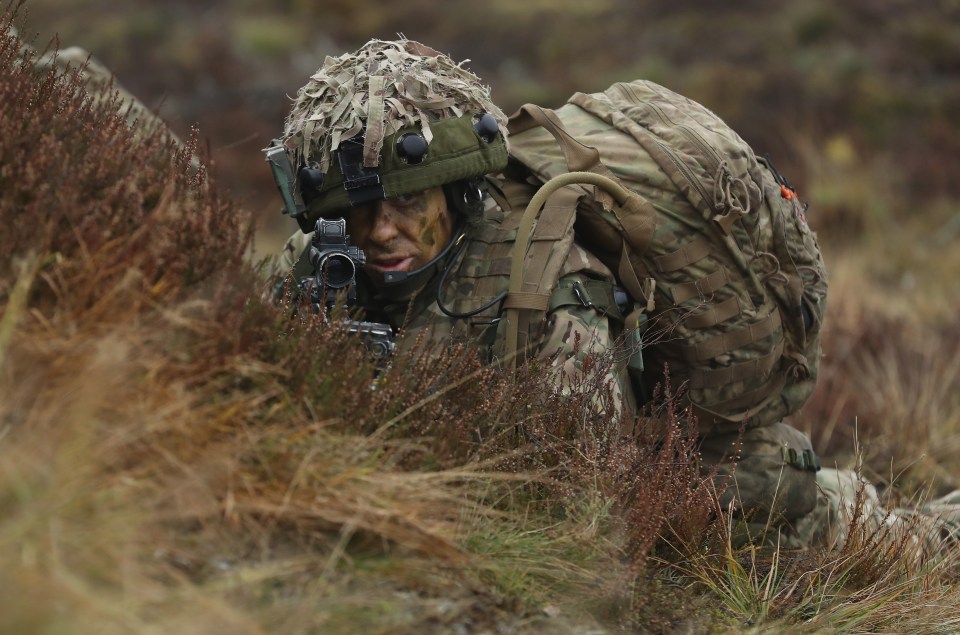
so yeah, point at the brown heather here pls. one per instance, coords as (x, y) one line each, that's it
(176, 452)
(177, 455)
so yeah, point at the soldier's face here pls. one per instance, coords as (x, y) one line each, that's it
(403, 233)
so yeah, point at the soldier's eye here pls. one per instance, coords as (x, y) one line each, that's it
(406, 199)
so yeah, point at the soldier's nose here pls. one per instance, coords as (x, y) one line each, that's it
(384, 225)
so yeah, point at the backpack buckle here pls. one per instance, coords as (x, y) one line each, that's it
(806, 460)
(581, 292)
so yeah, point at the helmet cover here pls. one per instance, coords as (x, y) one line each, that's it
(364, 105)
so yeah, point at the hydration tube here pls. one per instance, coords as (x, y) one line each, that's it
(525, 230)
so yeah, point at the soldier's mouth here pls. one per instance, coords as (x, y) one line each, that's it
(391, 264)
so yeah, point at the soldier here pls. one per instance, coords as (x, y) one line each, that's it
(409, 149)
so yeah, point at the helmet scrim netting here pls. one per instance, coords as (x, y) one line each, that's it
(381, 88)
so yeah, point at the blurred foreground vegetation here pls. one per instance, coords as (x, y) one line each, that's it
(177, 456)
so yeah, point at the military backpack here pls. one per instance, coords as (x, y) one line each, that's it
(710, 241)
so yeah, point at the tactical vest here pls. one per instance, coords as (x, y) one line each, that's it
(478, 275)
(483, 274)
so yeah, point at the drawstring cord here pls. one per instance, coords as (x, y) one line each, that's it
(725, 198)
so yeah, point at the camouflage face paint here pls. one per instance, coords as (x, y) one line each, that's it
(432, 226)
(403, 233)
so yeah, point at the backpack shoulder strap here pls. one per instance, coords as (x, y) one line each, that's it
(557, 193)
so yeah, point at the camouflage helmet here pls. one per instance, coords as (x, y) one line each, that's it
(391, 119)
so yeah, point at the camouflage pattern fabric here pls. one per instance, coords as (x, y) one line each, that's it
(383, 87)
(756, 477)
(564, 336)
(719, 253)
(771, 498)
(930, 532)
(366, 107)
(719, 247)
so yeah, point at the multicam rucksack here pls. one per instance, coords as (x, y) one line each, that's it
(715, 250)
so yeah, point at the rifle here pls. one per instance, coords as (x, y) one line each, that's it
(335, 261)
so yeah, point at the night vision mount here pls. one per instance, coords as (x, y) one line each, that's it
(297, 189)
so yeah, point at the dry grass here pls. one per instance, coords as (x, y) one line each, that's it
(890, 376)
(177, 455)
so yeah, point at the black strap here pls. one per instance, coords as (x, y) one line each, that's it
(597, 294)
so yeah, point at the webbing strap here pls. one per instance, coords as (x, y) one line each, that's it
(806, 460)
(499, 197)
(552, 225)
(561, 200)
(691, 252)
(579, 157)
(726, 221)
(636, 214)
(627, 275)
(702, 288)
(725, 342)
(753, 397)
(715, 314)
(522, 300)
(715, 377)
(558, 192)
(638, 217)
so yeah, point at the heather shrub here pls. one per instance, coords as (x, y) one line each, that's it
(177, 453)
(169, 437)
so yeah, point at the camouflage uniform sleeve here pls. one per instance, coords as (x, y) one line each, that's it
(291, 252)
(584, 346)
(583, 349)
